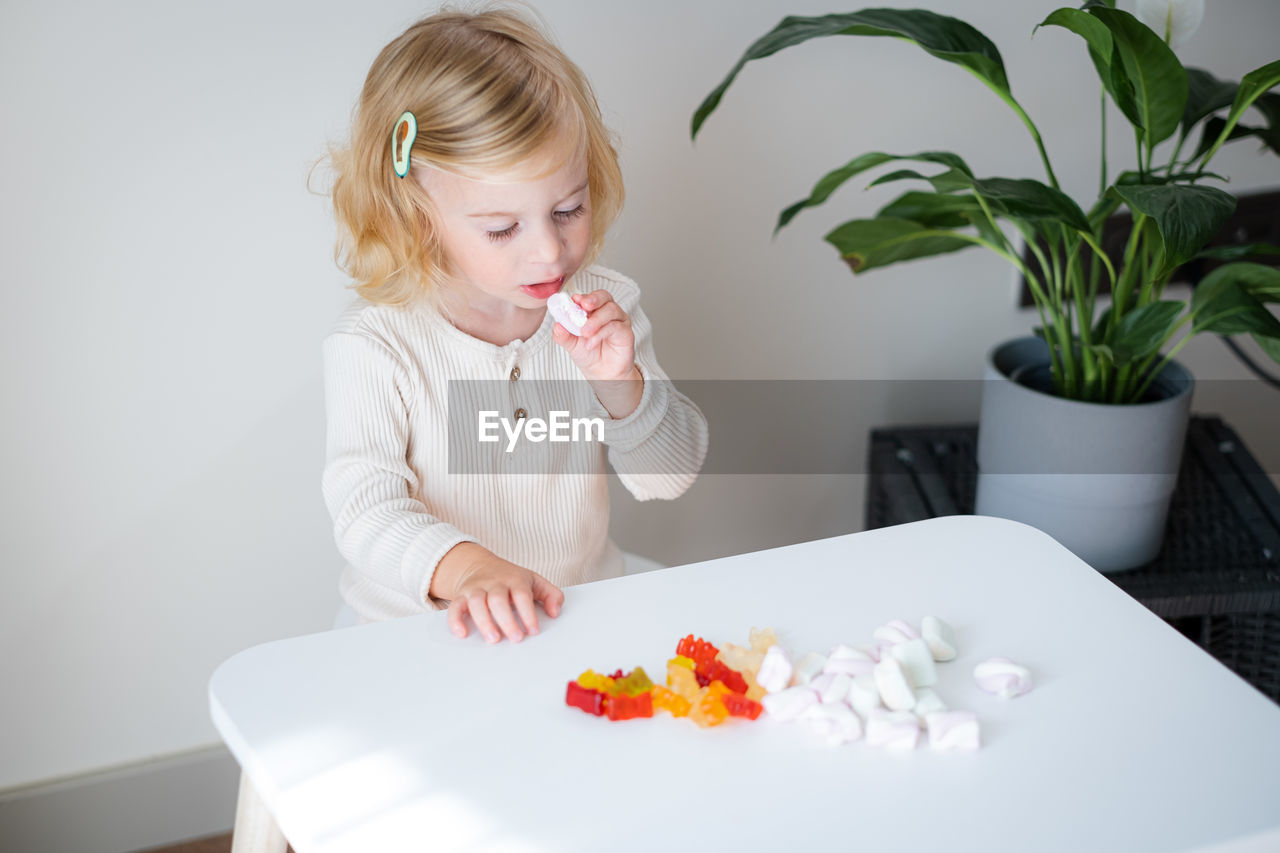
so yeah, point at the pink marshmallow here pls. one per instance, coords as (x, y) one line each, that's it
(898, 730)
(567, 312)
(953, 730)
(1002, 677)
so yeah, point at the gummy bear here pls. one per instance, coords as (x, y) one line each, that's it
(633, 683)
(619, 706)
(709, 709)
(673, 703)
(761, 639)
(682, 681)
(593, 680)
(741, 706)
(591, 701)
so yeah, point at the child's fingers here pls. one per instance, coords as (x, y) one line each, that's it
(458, 617)
(478, 607)
(591, 301)
(523, 601)
(606, 314)
(500, 608)
(549, 594)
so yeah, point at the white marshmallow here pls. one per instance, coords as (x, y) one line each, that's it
(896, 631)
(849, 666)
(1002, 677)
(836, 689)
(871, 650)
(790, 703)
(953, 730)
(927, 702)
(917, 660)
(896, 690)
(940, 637)
(864, 694)
(567, 312)
(834, 721)
(898, 730)
(775, 670)
(808, 666)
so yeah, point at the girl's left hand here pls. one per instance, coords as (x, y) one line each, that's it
(605, 352)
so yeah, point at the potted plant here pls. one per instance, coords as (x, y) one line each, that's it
(1099, 368)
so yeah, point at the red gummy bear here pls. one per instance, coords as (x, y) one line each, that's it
(591, 701)
(741, 706)
(619, 706)
(706, 667)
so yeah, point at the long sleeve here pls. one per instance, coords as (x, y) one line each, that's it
(388, 537)
(657, 450)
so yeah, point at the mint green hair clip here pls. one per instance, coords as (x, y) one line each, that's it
(406, 131)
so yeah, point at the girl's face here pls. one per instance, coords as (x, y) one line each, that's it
(512, 243)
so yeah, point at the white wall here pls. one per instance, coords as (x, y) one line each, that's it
(168, 281)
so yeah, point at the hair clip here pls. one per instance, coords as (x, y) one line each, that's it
(402, 137)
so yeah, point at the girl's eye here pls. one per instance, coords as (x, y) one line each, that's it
(504, 234)
(567, 215)
(562, 215)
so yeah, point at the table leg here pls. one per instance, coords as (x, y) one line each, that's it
(256, 830)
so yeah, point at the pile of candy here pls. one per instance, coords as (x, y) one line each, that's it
(882, 690)
(706, 684)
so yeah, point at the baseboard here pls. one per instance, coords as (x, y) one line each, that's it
(148, 804)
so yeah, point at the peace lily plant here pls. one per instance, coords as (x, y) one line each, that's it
(1098, 352)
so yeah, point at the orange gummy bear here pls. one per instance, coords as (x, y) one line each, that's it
(673, 703)
(709, 710)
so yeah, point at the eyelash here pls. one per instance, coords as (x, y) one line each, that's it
(562, 215)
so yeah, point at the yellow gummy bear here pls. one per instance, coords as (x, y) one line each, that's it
(593, 680)
(762, 638)
(682, 681)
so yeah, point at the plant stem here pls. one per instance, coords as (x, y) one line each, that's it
(1142, 389)
(1102, 185)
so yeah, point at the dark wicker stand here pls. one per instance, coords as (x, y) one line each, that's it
(1217, 578)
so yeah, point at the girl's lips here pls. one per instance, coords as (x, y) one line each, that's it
(543, 290)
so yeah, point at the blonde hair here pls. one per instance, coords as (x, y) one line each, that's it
(491, 95)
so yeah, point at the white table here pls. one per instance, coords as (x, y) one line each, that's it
(398, 736)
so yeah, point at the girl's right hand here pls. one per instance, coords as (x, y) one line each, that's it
(494, 592)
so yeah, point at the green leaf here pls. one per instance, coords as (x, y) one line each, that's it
(1271, 346)
(1187, 217)
(944, 182)
(1214, 127)
(1023, 198)
(949, 39)
(1102, 52)
(869, 243)
(1206, 95)
(832, 181)
(933, 210)
(1158, 79)
(1232, 300)
(1143, 330)
(1238, 252)
(1252, 87)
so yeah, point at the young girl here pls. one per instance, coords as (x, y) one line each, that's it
(479, 181)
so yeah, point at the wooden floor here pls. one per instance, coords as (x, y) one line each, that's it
(212, 844)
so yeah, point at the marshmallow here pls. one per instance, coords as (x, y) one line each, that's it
(953, 730)
(775, 670)
(790, 703)
(1002, 677)
(567, 312)
(864, 694)
(849, 666)
(834, 721)
(940, 637)
(808, 666)
(896, 631)
(896, 690)
(917, 660)
(834, 690)
(927, 702)
(898, 730)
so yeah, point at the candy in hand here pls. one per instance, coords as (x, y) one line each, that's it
(567, 312)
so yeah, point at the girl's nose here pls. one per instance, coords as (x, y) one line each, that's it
(546, 244)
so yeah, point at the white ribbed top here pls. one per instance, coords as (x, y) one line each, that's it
(396, 506)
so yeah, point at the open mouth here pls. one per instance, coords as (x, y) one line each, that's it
(545, 289)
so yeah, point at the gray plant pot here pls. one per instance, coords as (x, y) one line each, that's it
(1098, 478)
